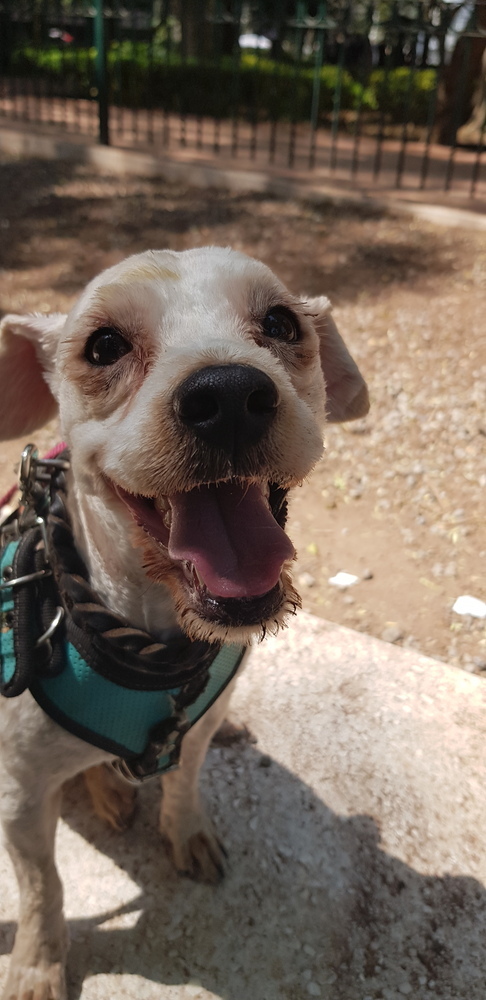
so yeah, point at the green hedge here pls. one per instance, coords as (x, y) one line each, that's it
(143, 76)
(404, 94)
(259, 87)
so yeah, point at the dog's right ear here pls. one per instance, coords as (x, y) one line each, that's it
(28, 346)
(346, 390)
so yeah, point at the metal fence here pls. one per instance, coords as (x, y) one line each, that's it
(393, 91)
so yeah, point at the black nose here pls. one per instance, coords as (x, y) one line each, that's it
(227, 406)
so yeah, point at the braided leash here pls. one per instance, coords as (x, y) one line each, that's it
(130, 656)
(57, 634)
(120, 652)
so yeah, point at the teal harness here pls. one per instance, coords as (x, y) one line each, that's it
(116, 687)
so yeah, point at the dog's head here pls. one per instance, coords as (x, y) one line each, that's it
(192, 389)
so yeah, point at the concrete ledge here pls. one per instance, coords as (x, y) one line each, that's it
(201, 172)
(356, 843)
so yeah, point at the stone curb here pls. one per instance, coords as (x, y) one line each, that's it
(355, 831)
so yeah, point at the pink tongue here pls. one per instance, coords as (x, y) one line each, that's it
(231, 537)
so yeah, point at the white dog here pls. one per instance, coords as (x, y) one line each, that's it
(192, 389)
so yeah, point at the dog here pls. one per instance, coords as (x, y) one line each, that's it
(192, 389)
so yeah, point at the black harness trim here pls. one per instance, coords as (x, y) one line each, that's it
(59, 639)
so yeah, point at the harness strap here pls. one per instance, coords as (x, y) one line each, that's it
(28, 607)
(8, 659)
(106, 682)
(142, 728)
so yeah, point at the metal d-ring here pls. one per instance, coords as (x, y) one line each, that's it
(18, 580)
(27, 471)
(56, 621)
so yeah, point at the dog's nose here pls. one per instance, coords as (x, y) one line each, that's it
(227, 406)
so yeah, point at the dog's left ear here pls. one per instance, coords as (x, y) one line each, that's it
(28, 346)
(346, 389)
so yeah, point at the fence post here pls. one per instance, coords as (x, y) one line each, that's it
(101, 75)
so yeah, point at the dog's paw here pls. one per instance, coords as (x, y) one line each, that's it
(43, 982)
(193, 846)
(230, 733)
(113, 798)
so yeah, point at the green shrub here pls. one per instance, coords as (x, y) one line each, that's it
(141, 75)
(404, 94)
(72, 69)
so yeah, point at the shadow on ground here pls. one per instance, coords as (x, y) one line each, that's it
(70, 219)
(311, 905)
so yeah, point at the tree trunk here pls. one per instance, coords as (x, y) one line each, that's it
(462, 91)
(474, 131)
(195, 27)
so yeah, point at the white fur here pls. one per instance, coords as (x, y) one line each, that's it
(188, 310)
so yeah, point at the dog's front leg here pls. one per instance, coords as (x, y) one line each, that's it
(194, 846)
(30, 810)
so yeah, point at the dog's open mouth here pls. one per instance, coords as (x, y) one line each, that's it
(228, 541)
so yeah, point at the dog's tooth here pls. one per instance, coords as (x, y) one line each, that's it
(162, 505)
(197, 578)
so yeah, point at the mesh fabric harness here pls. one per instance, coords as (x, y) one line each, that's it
(111, 684)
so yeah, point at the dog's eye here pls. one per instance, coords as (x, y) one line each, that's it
(281, 324)
(106, 346)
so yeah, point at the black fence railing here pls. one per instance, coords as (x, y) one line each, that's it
(395, 89)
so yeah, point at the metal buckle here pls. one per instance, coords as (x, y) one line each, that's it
(35, 475)
(32, 476)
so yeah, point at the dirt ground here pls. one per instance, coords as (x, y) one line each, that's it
(398, 499)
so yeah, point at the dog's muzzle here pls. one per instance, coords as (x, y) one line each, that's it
(229, 407)
(223, 528)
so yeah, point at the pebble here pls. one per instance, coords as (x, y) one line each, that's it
(392, 633)
(265, 760)
(313, 989)
(306, 580)
(410, 642)
(342, 579)
(469, 606)
(309, 950)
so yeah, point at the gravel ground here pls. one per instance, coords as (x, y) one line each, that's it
(397, 499)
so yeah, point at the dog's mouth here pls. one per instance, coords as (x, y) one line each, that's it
(228, 541)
